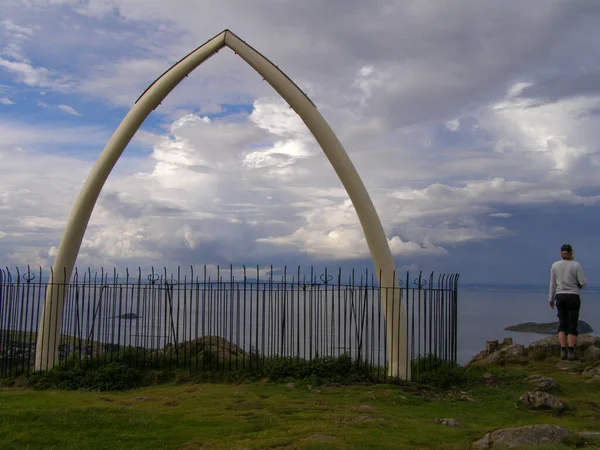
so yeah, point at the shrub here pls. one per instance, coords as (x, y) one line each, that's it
(130, 367)
(575, 441)
(435, 372)
(537, 354)
(320, 369)
(110, 377)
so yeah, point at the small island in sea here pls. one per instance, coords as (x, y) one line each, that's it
(547, 328)
(130, 316)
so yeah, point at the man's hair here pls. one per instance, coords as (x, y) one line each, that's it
(566, 248)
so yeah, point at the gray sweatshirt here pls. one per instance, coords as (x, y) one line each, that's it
(565, 276)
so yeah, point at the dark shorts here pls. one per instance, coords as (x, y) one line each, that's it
(568, 312)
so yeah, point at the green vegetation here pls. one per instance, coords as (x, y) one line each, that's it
(129, 370)
(311, 405)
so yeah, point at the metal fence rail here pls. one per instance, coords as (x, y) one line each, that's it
(165, 320)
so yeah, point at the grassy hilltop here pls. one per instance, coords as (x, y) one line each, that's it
(299, 414)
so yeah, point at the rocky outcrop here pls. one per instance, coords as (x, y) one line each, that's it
(216, 345)
(129, 316)
(592, 354)
(499, 353)
(449, 422)
(546, 328)
(541, 400)
(591, 371)
(543, 383)
(551, 345)
(496, 353)
(532, 435)
(510, 354)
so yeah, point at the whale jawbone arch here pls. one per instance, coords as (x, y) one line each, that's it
(394, 309)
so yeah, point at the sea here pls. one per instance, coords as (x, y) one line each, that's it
(485, 310)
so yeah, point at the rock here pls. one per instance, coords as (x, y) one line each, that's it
(361, 418)
(452, 423)
(541, 400)
(478, 357)
(129, 316)
(366, 408)
(491, 347)
(592, 353)
(531, 435)
(568, 366)
(291, 385)
(548, 384)
(591, 371)
(320, 437)
(546, 328)
(594, 379)
(510, 354)
(216, 345)
(552, 346)
(532, 378)
(544, 383)
(590, 434)
(496, 353)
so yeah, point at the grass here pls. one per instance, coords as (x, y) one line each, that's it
(263, 414)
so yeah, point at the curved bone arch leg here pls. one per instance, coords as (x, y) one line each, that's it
(395, 313)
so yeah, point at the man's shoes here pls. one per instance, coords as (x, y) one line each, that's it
(571, 354)
(563, 353)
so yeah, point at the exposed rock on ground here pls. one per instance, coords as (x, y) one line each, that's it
(129, 316)
(320, 438)
(592, 354)
(592, 371)
(541, 400)
(217, 345)
(551, 345)
(496, 353)
(544, 383)
(500, 353)
(452, 423)
(532, 435)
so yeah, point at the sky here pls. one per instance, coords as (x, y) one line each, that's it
(474, 126)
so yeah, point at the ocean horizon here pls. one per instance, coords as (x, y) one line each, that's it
(484, 310)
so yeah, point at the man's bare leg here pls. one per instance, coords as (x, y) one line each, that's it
(572, 343)
(562, 337)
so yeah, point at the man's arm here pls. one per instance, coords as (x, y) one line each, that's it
(552, 284)
(581, 279)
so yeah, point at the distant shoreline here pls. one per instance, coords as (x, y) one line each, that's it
(546, 328)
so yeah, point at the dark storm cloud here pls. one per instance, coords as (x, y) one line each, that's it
(563, 87)
(122, 208)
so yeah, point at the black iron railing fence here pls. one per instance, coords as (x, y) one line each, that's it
(234, 315)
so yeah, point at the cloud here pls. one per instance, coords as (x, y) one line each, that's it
(15, 35)
(15, 134)
(69, 110)
(30, 75)
(14, 60)
(6, 101)
(453, 120)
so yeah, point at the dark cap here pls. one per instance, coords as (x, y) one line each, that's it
(566, 248)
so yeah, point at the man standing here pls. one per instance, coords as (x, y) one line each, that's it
(566, 279)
